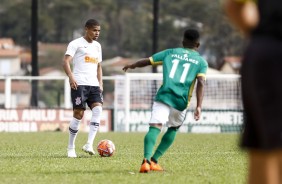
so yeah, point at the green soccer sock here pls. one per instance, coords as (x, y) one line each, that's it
(150, 141)
(165, 143)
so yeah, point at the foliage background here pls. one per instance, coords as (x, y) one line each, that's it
(126, 25)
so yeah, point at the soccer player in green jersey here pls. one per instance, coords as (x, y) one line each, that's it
(182, 67)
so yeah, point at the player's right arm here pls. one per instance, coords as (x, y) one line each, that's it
(66, 65)
(138, 64)
(154, 60)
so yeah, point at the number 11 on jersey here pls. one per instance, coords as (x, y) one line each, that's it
(175, 63)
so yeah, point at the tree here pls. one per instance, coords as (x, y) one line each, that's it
(126, 25)
(15, 21)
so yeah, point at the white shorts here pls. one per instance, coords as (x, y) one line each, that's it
(164, 114)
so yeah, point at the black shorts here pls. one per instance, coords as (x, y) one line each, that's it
(262, 94)
(86, 94)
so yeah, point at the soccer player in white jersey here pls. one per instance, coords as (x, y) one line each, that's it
(86, 84)
(182, 67)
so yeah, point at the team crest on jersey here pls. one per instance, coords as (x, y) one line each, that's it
(78, 100)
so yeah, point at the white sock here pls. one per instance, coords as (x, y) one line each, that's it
(94, 124)
(73, 129)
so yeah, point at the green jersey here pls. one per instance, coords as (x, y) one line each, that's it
(181, 66)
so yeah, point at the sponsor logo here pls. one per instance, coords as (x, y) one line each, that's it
(185, 57)
(89, 59)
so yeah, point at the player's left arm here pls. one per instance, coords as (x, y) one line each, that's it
(100, 75)
(201, 79)
(99, 68)
(199, 95)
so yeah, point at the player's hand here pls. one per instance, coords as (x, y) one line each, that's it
(125, 68)
(197, 113)
(73, 83)
(101, 88)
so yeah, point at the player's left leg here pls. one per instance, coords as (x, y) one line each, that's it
(166, 142)
(95, 101)
(93, 129)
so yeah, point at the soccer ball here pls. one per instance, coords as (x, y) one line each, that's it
(106, 148)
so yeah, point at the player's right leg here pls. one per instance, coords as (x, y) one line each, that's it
(154, 166)
(78, 112)
(166, 142)
(73, 130)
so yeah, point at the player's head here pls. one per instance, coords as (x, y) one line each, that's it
(91, 22)
(92, 29)
(191, 39)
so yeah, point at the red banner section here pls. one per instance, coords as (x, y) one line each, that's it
(33, 120)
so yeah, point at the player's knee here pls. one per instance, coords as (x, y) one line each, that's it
(78, 113)
(97, 110)
(96, 114)
(174, 128)
(156, 125)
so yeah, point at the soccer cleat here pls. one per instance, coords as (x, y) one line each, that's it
(71, 153)
(145, 166)
(88, 149)
(154, 166)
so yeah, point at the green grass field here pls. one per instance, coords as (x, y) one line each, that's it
(193, 158)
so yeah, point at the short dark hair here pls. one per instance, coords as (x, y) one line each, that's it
(191, 38)
(91, 23)
(191, 35)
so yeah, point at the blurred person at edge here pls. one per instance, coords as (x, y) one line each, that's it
(261, 22)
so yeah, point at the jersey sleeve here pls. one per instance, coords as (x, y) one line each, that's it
(203, 70)
(100, 54)
(158, 58)
(71, 49)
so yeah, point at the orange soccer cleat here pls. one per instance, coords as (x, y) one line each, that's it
(145, 167)
(155, 167)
